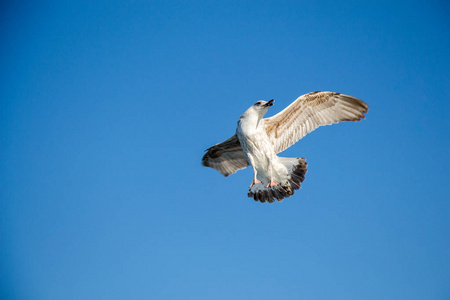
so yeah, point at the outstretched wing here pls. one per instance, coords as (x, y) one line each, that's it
(226, 157)
(309, 112)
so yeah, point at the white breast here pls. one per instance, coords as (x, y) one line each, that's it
(256, 144)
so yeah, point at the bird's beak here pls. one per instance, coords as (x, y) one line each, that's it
(269, 103)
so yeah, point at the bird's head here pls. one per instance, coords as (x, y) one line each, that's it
(261, 107)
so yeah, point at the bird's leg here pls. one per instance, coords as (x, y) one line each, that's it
(255, 180)
(272, 182)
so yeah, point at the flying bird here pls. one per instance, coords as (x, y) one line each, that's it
(257, 141)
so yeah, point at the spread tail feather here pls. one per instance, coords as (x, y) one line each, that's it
(288, 181)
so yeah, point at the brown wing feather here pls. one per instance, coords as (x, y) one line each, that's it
(226, 157)
(309, 112)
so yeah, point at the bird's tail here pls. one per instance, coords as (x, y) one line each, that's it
(289, 173)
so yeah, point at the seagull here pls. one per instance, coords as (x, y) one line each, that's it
(257, 141)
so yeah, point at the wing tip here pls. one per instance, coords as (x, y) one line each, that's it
(357, 104)
(226, 157)
(205, 163)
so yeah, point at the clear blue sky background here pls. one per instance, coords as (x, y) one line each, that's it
(107, 108)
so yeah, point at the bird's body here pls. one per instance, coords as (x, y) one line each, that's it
(257, 141)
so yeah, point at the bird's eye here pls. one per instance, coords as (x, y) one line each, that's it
(258, 103)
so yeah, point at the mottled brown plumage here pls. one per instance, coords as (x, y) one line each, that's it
(309, 112)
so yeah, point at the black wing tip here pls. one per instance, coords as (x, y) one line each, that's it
(362, 106)
(205, 159)
(205, 163)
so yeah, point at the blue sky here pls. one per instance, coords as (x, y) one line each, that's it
(107, 108)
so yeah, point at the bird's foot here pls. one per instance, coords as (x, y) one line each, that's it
(272, 183)
(255, 181)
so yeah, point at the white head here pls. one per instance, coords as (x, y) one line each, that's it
(259, 108)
